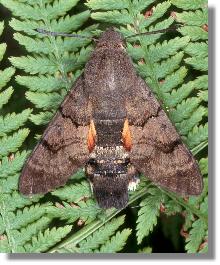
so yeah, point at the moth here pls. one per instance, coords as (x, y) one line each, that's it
(111, 124)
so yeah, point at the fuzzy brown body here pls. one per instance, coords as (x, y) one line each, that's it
(112, 124)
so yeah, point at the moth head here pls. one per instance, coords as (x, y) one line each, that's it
(111, 39)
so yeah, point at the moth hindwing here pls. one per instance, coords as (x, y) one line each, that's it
(111, 123)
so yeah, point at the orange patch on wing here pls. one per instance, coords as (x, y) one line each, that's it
(91, 139)
(126, 136)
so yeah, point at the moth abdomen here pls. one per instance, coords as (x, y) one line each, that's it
(108, 170)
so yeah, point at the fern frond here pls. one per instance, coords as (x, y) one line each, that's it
(5, 76)
(147, 215)
(45, 101)
(158, 11)
(187, 4)
(16, 201)
(116, 243)
(185, 126)
(198, 63)
(10, 144)
(26, 233)
(203, 164)
(46, 239)
(28, 215)
(5, 96)
(39, 10)
(41, 83)
(10, 184)
(107, 5)
(197, 49)
(74, 192)
(197, 18)
(93, 242)
(87, 211)
(197, 135)
(11, 166)
(36, 64)
(171, 82)
(2, 50)
(162, 69)
(13, 121)
(197, 232)
(184, 109)
(195, 33)
(42, 118)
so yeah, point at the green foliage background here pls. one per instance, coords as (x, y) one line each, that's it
(36, 73)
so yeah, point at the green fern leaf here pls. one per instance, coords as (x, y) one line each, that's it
(35, 64)
(170, 83)
(10, 144)
(116, 243)
(159, 11)
(107, 5)
(197, 49)
(41, 83)
(203, 164)
(5, 96)
(44, 101)
(30, 230)
(185, 126)
(28, 215)
(5, 76)
(195, 33)
(197, 18)
(47, 239)
(197, 135)
(2, 50)
(188, 4)
(197, 233)
(115, 16)
(198, 63)
(147, 215)
(11, 166)
(86, 211)
(39, 10)
(185, 109)
(42, 118)
(13, 121)
(98, 238)
(16, 201)
(74, 192)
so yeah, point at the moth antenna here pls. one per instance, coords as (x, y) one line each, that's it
(52, 33)
(171, 28)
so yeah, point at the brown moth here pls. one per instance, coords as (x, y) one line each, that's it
(111, 123)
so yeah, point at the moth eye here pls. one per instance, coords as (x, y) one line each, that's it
(92, 161)
(127, 161)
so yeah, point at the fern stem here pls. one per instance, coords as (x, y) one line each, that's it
(7, 221)
(91, 228)
(199, 147)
